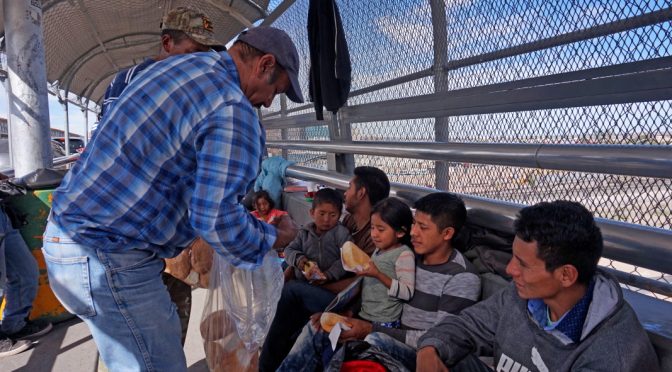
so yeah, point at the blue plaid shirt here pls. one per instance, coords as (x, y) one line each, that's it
(171, 161)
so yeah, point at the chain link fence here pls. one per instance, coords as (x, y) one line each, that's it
(390, 39)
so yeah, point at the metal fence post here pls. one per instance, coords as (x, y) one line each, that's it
(339, 131)
(441, 129)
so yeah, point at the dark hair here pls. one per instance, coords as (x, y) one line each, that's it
(445, 210)
(263, 194)
(330, 196)
(375, 182)
(397, 214)
(566, 234)
(177, 35)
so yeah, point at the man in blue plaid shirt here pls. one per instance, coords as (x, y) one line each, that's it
(171, 161)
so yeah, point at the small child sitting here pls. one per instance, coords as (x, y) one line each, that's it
(315, 252)
(390, 276)
(265, 208)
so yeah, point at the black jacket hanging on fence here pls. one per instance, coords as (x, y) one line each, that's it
(329, 57)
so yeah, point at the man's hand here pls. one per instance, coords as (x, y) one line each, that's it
(286, 232)
(428, 360)
(358, 331)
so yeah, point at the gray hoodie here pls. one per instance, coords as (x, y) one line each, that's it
(325, 250)
(612, 338)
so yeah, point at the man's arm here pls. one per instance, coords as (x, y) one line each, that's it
(226, 146)
(473, 331)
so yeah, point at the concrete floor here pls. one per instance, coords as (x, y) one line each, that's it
(70, 347)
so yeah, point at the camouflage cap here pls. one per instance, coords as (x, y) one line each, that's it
(193, 23)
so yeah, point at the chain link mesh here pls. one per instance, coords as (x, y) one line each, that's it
(389, 39)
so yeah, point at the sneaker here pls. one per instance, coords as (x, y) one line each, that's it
(32, 329)
(10, 347)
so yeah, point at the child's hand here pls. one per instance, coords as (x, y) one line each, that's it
(312, 272)
(369, 269)
(301, 264)
(315, 321)
(318, 277)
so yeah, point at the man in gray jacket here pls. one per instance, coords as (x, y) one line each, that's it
(560, 313)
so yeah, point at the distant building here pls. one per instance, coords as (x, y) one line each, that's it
(54, 132)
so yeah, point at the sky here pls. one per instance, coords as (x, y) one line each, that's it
(56, 114)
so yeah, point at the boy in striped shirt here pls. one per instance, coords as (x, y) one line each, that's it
(445, 281)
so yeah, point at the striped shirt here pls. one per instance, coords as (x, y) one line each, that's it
(440, 291)
(171, 161)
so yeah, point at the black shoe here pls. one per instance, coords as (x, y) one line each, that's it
(10, 347)
(32, 330)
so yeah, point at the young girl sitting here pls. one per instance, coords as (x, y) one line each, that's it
(389, 278)
(265, 208)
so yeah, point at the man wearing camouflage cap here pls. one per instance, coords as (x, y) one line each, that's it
(183, 30)
(170, 161)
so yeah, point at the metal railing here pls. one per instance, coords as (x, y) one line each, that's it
(507, 104)
(59, 162)
(622, 242)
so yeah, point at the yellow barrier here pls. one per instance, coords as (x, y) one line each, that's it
(35, 206)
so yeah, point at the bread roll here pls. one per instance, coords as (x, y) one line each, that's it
(201, 256)
(353, 258)
(179, 266)
(329, 320)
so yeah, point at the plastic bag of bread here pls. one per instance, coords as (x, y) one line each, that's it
(246, 299)
(224, 350)
(353, 258)
(329, 320)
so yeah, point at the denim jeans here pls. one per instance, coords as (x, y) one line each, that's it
(21, 271)
(299, 300)
(304, 355)
(122, 299)
(398, 350)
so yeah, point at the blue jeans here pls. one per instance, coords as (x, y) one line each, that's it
(304, 355)
(20, 270)
(122, 299)
(299, 300)
(394, 348)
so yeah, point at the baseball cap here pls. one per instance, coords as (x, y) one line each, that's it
(276, 42)
(193, 23)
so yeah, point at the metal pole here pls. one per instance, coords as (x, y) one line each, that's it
(283, 132)
(86, 123)
(67, 126)
(441, 130)
(29, 107)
